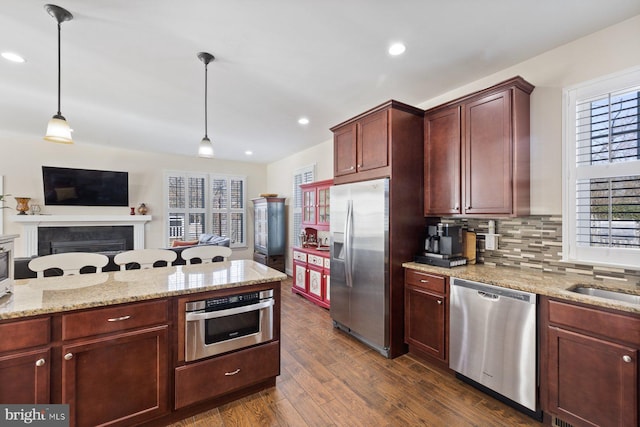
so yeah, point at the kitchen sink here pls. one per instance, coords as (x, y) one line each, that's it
(603, 293)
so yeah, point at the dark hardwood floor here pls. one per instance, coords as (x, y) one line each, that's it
(330, 379)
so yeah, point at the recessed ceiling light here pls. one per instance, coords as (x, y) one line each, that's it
(303, 121)
(248, 152)
(397, 49)
(13, 57)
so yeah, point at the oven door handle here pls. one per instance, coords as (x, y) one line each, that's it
(195, 316)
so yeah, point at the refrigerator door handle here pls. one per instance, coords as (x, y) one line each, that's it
(348, 228)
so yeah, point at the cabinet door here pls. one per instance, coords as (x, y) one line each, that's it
(344, 150)
(487, 155)
(327, 286)
(442, 147)
(323, 205)
(25, 377)
(373, 141)
(309, 206)
(425, 316)
(592, 381)
(315, 282)
(300, 276)
(116, 380)
(261, 234)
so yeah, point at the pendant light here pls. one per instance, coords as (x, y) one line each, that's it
(58, 129)
(206, 147)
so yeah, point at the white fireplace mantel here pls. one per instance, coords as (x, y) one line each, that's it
(31, 223)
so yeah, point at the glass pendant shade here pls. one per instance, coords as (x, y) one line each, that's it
(58, 130)
(206, 148)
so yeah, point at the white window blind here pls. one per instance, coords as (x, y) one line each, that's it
(602, 167)
(301, 176)
(205, 203)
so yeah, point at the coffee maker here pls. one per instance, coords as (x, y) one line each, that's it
(442, 246)
(444, 239)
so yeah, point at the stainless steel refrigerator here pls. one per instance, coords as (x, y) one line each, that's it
(360, 261)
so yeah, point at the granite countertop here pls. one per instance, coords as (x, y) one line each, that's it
(543, 283)
(65, 293)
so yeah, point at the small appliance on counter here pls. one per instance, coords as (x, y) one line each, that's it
(442, 246)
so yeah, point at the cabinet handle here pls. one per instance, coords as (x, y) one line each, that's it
(424, 281)
(68, 356)
(351, 168)
(228, 374)
(439, 301)
(626, 358)
(40, 362)
(468, 207)
(118, 319)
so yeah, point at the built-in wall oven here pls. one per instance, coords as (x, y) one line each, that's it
(222, 324)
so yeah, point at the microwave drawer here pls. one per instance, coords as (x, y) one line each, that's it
(206, 379)
(113, 319)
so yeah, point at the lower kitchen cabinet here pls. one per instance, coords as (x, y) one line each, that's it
(117, 371)
(590, 364)
(25, 362)
(426, 314)
(217, 376)
(311, 275)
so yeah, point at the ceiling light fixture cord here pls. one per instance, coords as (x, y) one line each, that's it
(59, 44)
(206, 64)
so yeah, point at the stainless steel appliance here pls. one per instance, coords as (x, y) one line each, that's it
(493, 341)
(6, 264)
(359, 242)
(223, 324)
(442, 246)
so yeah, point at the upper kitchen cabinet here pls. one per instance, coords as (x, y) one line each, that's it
(316, 204)
(477, 153)
(366, 146)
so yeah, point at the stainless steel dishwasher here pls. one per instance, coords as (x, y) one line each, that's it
(493, 341)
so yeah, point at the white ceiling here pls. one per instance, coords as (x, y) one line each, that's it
(131, 77)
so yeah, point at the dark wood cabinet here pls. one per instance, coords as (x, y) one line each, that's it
(589, 364)
(25, 362)
(477, 153)
(116, 378)
(426, 314)
(269, 231)
(442, 162)
(364, 146)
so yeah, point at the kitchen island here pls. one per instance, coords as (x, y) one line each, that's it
(112, 345)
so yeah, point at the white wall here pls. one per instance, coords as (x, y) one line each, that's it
(22, 158)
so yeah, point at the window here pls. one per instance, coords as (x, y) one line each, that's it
(601, 199)
(205, 203)
(300, 176)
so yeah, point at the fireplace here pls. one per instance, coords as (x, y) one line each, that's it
(53, 240)
(90, 233)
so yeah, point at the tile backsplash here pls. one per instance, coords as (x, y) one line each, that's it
(534, 242)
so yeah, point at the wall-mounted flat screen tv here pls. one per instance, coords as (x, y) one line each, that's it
(85, 187)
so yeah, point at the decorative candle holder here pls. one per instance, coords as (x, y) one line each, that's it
(23, 205)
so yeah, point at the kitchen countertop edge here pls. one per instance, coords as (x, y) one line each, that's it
(549, 284)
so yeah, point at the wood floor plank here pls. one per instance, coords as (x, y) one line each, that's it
(328, 378)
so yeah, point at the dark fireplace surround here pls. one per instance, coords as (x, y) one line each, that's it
(104, 239)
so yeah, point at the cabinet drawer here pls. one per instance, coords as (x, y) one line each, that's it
(113, 319)
(300, 256)
(316, 260)
(24, 334)
(613, 326)
(426, 281)
(210, 378)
